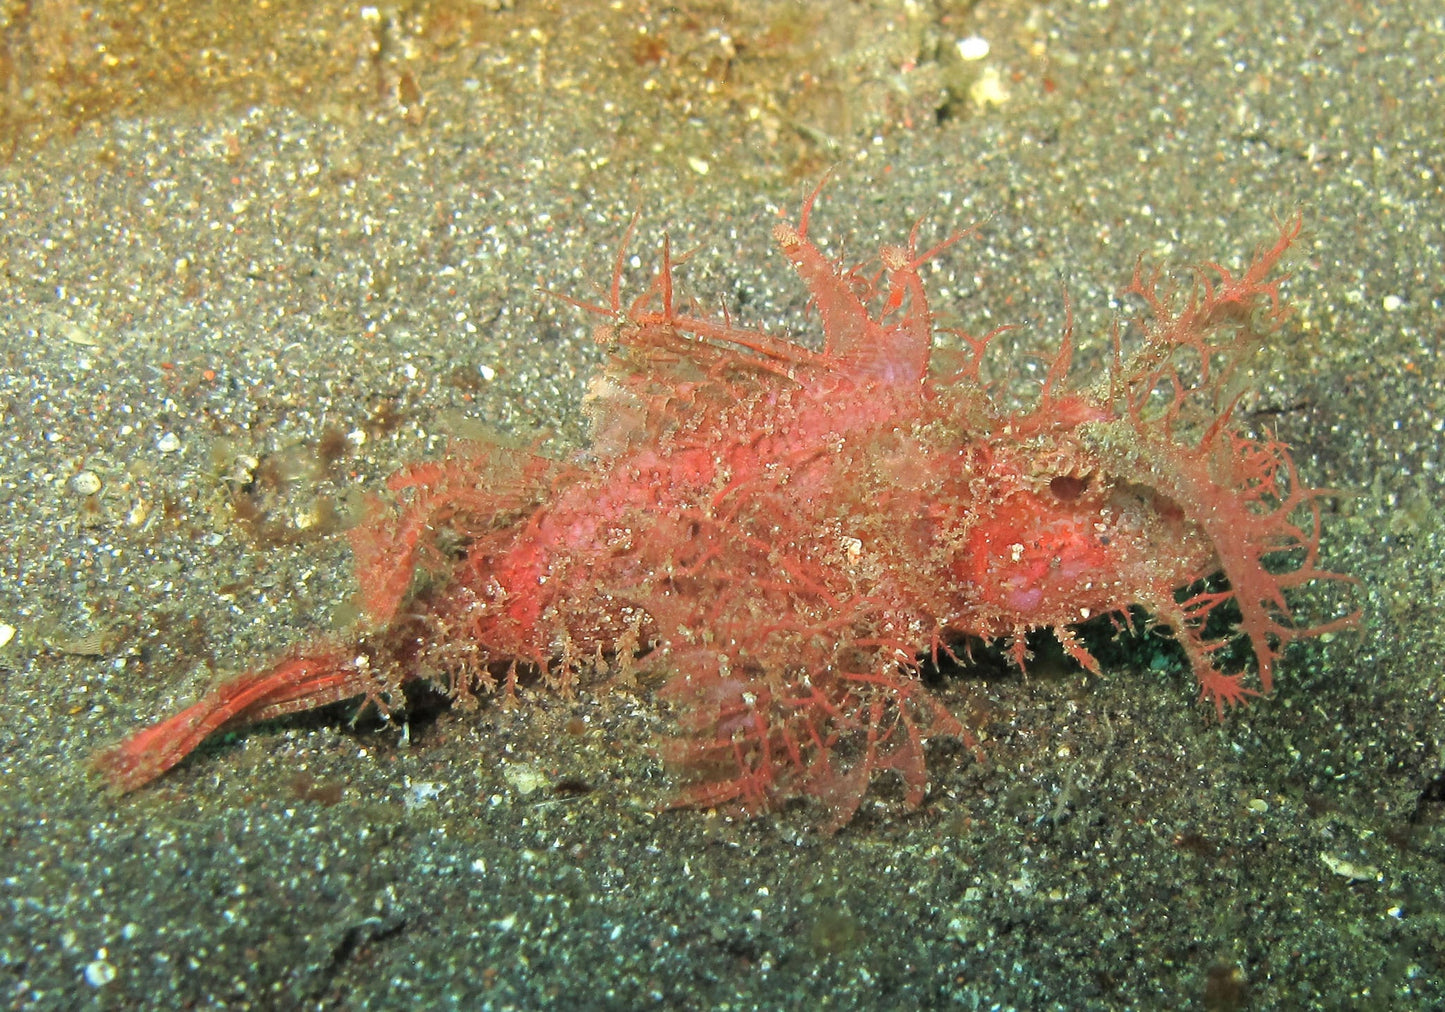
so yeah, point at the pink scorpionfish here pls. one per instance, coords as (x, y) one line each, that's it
(781, 536)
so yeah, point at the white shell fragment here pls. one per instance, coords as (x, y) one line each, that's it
(1353, 872)
(85, 483)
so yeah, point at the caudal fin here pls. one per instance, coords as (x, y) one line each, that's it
(297, 683)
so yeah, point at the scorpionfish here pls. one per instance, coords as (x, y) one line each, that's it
(781, 537)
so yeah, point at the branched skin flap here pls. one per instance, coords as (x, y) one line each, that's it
(782, 535)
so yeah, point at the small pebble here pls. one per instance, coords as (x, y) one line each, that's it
(972, 48)
(421, 793)
(522, 778)
(85, 483)
(168, 443)
(99, 972)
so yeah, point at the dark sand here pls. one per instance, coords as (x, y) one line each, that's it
(251, 271)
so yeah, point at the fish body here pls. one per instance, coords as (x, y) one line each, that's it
(781, 536)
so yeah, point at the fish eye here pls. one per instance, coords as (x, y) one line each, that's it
(1068, 487)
